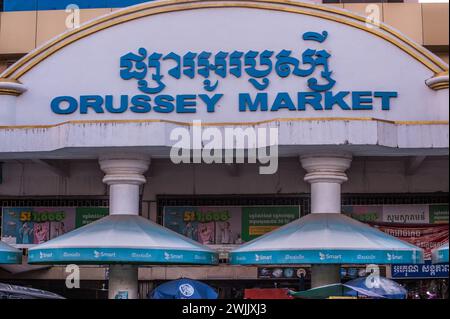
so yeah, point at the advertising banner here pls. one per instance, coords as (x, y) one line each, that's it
(227, 225)
(207, 225)
(406, 214)
(427, 270)
(364, 214)
(399, 214)
(439, 214)
(86, 215)
(257, 221)
(426, 237)
(24, 226)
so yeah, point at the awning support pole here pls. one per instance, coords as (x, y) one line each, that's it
(322, 275)
(325, 173)
(123, 282)
(124, 175)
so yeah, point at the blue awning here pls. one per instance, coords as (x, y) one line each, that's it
(9, 255)
(440, 255)
(326, 239)
(122, 239)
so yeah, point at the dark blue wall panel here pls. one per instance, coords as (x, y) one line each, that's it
(31, 5)
(19, 5)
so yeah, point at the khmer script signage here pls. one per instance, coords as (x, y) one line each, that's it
(229, 62)
(148, 70)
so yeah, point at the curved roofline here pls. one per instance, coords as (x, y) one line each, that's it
(419, 53)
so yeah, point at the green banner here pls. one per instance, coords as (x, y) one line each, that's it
(257, 221)
(86, 215)
(439, 214)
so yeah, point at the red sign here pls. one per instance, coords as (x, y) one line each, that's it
(268, 293)
(426, 237)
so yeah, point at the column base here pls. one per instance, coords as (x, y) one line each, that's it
(322, 275)
(123, 282)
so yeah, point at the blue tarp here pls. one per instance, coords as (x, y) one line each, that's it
(184, 289)
(371, 287)
(375, 285)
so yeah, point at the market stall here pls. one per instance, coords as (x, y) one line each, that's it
(326, 239)
(123, 239)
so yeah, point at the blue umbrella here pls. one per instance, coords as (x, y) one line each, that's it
(380, 286)
(122, 239)
(184, 289)
(326, 239)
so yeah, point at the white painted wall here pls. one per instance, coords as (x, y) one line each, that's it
(91, 66)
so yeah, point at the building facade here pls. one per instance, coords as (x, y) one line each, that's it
(397, 181)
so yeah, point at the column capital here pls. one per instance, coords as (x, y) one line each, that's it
(326, 167)
(124, 168)
(11, 87)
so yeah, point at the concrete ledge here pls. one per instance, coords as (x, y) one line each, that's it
(363, 137)
(145, 273)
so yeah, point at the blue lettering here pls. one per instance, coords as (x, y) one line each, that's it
(109, 104)
(283, 100)
(141, 104)
(385, 99)
(362, 100)
(185, 103)
(246, 101)
(311, 98)
(338, 99)
(91, 101)
(210, 101)
(163, 104)
(72, 105)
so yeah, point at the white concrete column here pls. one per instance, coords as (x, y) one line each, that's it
(124, 175)
(322, 275)
(123, 282)
(325, 173)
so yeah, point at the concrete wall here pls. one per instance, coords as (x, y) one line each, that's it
(366, 175)
(220, 272)
(26, 178)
